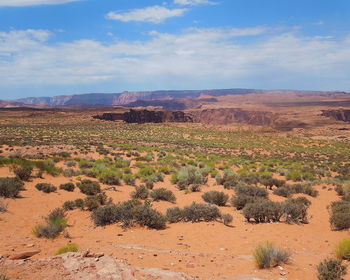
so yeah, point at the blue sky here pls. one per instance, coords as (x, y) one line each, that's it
(56, 47)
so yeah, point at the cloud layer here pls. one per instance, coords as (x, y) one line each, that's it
(194, 2)
(22, 3)
(154, 14)
(195, 57)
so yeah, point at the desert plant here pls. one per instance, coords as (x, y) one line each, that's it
(215, 197)
(187, 176)
(140, 192)
(227, 219)
(162, 194)
(342, 250)
(266, 255)
(69, 205)
(93, 202)
(4, 277)
(295, 210)
(241, 200)
(129, 179)
(71, 247)
(10, 187)
(55, 224)
(283, 191)
(69, 187)
(263, 211)
(110, 177)
(23, 173)
(197, 212)
(79, 203)
(331, 269)
(45, 187)
(340, 215)
(89, 187)
(174, 215)
(3, 206)
(251, 191)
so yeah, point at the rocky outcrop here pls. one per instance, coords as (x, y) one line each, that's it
(147, 116)
(339, 115)
(71, 266)
(235, 115)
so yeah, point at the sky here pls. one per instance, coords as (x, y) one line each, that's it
(59, 47)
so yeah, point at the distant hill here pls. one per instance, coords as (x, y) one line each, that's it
(142, 98)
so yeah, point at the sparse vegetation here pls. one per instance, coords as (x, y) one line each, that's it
(267, 255)
(89, 187)
(45, 187)
(215, 197)
(10, 187)
(331, 269)
(71, 247)
(162, 194)
(69, 187)
(342, 249)
(23, 173)
(55, 223)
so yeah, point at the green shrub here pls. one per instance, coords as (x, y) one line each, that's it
(187, 176)
(55, 224)
(69, 187)
(69, 205)
(93, 202)
(342, 249)
(295, 210)
(23, 173)
(140, 192)
(45, 187)
(340, 215)
(226, 219)
(283, 191)
(79, 203)
(263, 211)
(162, 194)
(110, 177)
(174, 215)
(129, 179)
(242, 200)
(197, 212)
(71, 247)
(89, 187)
(266, 255)
(252, 191)
(215, 197)
(129, 212)
(10, 187)
(331, 269)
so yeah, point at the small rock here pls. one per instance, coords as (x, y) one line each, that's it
(280, 267)
(24, 255)
(283, 273)
(30, 245)
(99, 255)
(190, 265)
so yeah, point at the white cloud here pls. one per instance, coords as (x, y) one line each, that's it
(195, 58)
(194, 2)
(154, 14)
(21, 3)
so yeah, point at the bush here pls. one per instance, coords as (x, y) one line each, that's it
(69, 205)
(226, 219)
(266, 255)
(10, 187)
(263, 211)
(69, 187)
(79, 203)
(3, 206)
(331, 269)
(187, 176)
(215, 197)
(174, 215)
(129, 179)
(283, 191)
(93, 202)
(129, 212)
(295, 210)
(241, 200)
(89, 187)
(201, 212)
(140, 192)
(4, 277)
(162, 194)
(342, 250)
(252, 191)
(23, 173)
(45, 187)
(110, 177)
(55, 224)
(71, 247)
(340, 215)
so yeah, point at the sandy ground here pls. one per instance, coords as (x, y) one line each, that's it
(207, 250)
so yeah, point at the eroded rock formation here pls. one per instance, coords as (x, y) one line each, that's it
(339, 115)
(147, 116)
